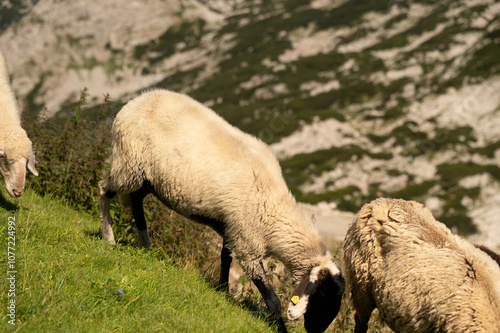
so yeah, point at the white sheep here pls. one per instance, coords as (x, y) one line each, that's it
(420, 276)
(197, 164)
(15, 146)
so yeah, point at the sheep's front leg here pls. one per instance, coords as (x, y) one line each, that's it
(137, 199)
(104, 210)
(272, 301)
(225, 266)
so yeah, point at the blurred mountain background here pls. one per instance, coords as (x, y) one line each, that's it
(358, 98)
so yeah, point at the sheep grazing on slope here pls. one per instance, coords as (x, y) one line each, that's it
(420, 276)
(15, 147)
(200, 166)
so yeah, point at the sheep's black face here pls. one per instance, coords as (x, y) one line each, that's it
(318, 297)
(324, 303)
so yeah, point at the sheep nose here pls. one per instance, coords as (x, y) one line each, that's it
(17, 194)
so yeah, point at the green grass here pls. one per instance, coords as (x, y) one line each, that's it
(67, 280)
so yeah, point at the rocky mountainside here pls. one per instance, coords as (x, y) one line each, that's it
(358, 98)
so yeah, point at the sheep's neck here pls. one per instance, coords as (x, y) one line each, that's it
(295, 241)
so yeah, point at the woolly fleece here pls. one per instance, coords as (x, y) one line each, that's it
(420, 276)
(15, 146)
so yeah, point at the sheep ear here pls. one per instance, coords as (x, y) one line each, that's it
(31, 164)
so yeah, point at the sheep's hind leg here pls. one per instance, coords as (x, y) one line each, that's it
(104, 210)
(364, 308)
(361, 320)
(225, 266)
(137, 199)
(272, 301)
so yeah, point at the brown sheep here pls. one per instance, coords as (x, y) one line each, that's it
(420, 276)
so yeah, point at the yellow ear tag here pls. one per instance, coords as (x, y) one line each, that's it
(295, 300)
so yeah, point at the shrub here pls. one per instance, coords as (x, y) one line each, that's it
(71, 155)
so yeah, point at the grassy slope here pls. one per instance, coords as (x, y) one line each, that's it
(67, 280)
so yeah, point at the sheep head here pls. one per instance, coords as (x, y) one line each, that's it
(318, 296)
(15, 155)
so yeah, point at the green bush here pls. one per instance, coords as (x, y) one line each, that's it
(71, 156)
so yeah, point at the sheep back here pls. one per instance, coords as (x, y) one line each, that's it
(420, 276)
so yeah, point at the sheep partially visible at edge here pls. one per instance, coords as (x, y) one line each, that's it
(15, 146)
(419, 276)
(494, 255)
(197, 164)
